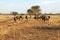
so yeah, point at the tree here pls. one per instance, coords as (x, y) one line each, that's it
(30, 12)
(36, 9)
(14, 13)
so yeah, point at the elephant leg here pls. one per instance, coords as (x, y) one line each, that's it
(15, 19)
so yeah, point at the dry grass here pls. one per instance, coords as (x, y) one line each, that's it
(29, 30)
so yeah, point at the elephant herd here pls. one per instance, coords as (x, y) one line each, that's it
(42, 17)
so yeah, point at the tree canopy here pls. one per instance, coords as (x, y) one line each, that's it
(14, 13)
(34, 10)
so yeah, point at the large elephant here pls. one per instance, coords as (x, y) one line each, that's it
(17, 18)
(45, 17)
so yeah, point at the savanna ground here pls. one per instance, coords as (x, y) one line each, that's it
(29, 29)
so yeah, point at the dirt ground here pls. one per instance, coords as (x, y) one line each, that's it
(30, 29)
